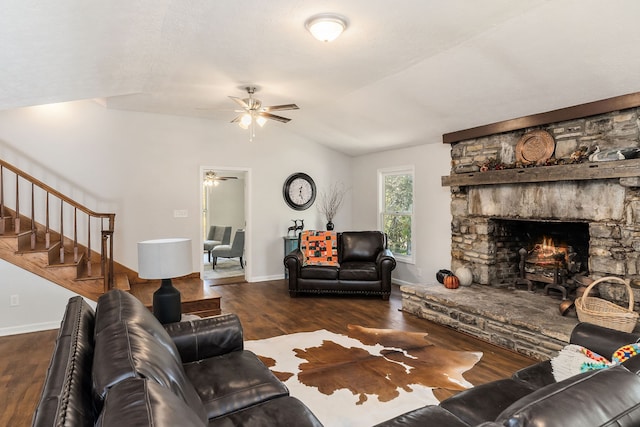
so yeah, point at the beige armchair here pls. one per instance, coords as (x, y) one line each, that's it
(218, 235)
(230, 251)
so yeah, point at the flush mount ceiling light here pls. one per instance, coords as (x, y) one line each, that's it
(326, 27)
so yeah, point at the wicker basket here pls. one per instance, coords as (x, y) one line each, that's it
(605, 313)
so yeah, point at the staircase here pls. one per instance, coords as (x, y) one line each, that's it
(34, 219)
(52, 238)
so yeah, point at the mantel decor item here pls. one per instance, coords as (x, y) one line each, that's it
(165, 259)
(536, 147)
(330, 202)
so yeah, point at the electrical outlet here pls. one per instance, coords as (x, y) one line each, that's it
(15, 300)
(180, 213)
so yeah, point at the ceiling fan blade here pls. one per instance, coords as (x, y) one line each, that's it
(274, 117)
(236, 119)
(240, 102)
(281, 107)
(224, 178)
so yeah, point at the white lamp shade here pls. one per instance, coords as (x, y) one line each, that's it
(164, 258)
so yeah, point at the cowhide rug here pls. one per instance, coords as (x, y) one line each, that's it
(365, 377)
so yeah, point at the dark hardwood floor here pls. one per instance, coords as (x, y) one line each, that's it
(265, 310)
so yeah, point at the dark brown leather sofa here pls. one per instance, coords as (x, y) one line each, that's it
(120, 367)
(365, 265)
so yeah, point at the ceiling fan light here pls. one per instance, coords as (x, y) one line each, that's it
(261, 121)
(326, 27)
(245, 120)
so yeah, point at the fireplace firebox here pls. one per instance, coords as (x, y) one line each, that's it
(532, 252)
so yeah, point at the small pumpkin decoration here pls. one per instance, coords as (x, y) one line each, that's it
(451, 282)
(441, 274)
(464, 275)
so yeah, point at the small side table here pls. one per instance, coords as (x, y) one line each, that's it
(290, 244)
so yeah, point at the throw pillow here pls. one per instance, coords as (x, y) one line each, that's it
(319, 248)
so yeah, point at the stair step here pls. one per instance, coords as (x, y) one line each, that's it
(40, 247)
(88, 278)
(122, 282)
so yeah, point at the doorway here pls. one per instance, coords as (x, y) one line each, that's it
(224, 201)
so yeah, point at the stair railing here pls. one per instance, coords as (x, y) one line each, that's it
(106, 223)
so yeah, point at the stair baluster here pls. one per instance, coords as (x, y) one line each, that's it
(61, 231)
(2, 223)
(33, 218)
(47, 231)
(16, 221)
(88, 252)
(75, 234)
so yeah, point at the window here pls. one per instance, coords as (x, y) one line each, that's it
(396, 210)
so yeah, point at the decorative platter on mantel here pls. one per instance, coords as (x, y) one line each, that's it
(535, 147)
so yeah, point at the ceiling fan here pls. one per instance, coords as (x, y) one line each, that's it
(253, 112)
(211, 178)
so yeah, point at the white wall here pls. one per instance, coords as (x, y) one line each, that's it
(40, 305)
(432, 240)
(226, 204)
(144, 166)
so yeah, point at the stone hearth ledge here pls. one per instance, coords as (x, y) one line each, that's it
(525, 322)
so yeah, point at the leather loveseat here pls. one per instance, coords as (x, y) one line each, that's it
(118, 366)
(364, 267)
(532, 397)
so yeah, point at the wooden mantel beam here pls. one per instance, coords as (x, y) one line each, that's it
(578, 111)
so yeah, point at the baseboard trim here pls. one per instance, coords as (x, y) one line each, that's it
(265, 278)
(25, 329)
(401, 282)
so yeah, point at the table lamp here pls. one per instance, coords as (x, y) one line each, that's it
(165, 259)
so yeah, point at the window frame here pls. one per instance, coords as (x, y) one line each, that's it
(382, 174)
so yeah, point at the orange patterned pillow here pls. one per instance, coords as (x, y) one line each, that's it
(319, 248)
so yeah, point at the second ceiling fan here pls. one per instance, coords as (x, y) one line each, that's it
(211, 178)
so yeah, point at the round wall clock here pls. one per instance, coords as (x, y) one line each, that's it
(299, 191)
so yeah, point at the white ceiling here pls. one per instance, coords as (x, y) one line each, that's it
(404, 72)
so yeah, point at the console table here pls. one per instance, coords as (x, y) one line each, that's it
(290, 244)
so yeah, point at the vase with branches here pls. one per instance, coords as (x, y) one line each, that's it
(330, 202)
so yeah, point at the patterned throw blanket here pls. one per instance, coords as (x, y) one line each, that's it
(574, 359)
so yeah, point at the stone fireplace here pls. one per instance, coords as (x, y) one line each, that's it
(602, 211)
(590, 210)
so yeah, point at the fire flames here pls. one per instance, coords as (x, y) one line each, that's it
(547, 253)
